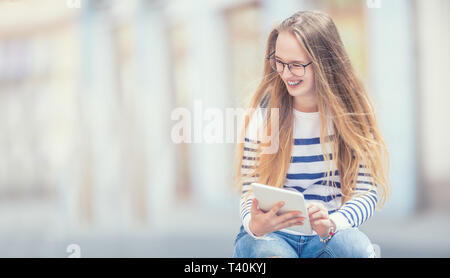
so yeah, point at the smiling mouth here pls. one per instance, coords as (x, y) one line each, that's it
(293, 84)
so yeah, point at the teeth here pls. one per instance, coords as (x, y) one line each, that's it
(293, 83)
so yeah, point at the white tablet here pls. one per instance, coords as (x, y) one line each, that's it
(268, 196)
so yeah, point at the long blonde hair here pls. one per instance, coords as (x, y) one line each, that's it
(341, 96)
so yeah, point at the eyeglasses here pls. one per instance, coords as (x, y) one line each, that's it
(296, 69)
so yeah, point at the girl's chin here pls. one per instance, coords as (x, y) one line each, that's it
(297, 92)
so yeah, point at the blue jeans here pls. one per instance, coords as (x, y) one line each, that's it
(348, 243)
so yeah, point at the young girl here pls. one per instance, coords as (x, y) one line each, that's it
(329, 147)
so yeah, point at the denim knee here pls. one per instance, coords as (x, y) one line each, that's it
(248, 247)
(350, 243)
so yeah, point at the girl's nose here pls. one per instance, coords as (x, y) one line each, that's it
(286, 73)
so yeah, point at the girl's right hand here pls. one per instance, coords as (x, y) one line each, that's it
(262, 223)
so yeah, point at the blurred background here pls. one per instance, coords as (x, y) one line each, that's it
(88, 87)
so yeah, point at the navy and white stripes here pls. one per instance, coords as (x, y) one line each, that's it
(307, 174)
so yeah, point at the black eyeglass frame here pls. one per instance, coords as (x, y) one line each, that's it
(288, 65)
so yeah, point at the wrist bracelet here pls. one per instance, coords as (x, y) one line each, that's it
(330, 235)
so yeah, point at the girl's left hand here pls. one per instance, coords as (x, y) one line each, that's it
(318, 217)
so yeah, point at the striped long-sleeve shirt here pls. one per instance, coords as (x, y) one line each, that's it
(306, 174)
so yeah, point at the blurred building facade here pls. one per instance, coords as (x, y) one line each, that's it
(87, 89)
